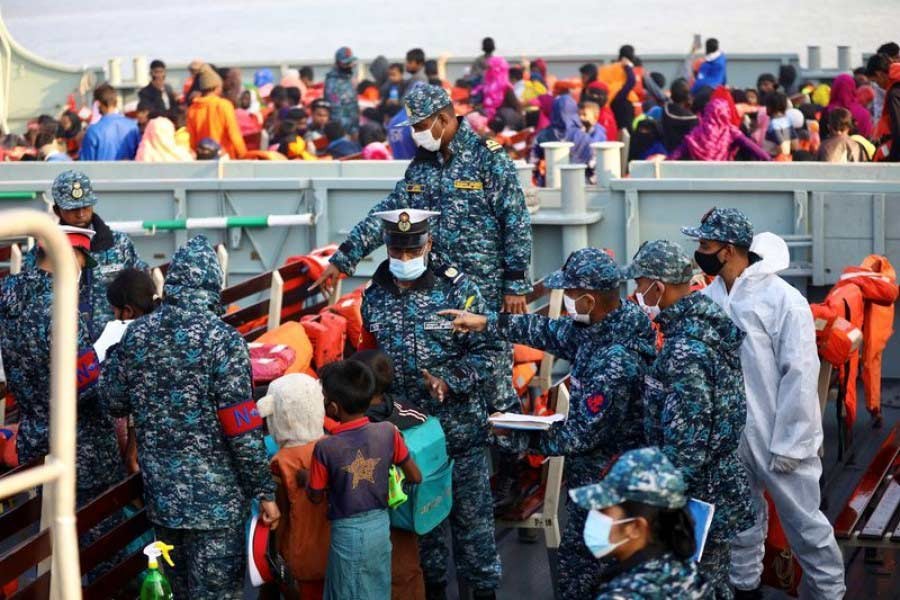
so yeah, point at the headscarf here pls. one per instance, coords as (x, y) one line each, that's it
(843, 95)
(545, 104)
(539, 70)
(566, 125)
(714, 137)
(722, 93)
(158, 143)
(822, 94)
(379, 70)
(263, 77)
(495, 85)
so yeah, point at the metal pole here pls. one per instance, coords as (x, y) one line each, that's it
(555, 155)
(608, 156)
(59, 466)
(524, 171)
(573, 202)
(141, 70)
(114, 66)
(814, 58)
(844, 58)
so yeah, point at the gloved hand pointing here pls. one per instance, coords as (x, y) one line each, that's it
(784, 464)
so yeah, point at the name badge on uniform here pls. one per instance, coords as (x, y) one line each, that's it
(468, 185)
(415, 188)
(110, 269)
(374, 327)
(438, 325)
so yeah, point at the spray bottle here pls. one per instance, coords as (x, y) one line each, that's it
(156, 586)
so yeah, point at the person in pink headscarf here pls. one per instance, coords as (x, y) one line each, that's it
(716, 138)
(496, 91)
(843, 95)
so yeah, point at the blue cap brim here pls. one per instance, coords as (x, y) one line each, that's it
(692, 232)
(558, 280)
(601, 496)
(631, 271)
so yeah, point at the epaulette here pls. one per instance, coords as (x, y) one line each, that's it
(452, 275)
(493, 145)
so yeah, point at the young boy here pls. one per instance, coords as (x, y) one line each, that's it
(840, 147)
(353, 466)
(781, 137)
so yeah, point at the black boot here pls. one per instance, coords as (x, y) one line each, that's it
(754, 594)
(435, 590)
(484, 595)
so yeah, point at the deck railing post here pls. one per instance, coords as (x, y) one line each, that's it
(556, 154)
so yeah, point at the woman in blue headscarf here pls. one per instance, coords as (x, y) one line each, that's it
(565, 126)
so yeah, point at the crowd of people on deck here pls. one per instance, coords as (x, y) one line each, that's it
(355, 115)
(703, 386)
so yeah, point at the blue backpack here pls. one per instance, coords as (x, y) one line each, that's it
(429, 502)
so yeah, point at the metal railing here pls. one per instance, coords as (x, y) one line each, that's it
(57, 474)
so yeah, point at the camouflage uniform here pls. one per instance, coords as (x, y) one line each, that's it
(113, 251)
(406, 326)
(695, 405)
(646, 476)
(484, 228)
(341, 93)
(609, 359)
(25, 307)
(184, 376)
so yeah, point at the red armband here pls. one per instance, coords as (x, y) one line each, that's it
(240, 418)
(87, 369)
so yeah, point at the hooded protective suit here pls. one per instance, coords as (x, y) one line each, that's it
(781, 366)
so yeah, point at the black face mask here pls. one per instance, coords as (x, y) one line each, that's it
(709, 263)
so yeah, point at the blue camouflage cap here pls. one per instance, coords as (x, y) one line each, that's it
(644, 475)
(72, 189)
(586, 269)
(727, 225)
(423, 101)
(662, 260)
(344, 56)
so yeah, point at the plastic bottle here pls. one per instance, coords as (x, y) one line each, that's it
(156, 585)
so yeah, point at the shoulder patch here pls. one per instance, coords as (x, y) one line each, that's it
(414, 188)
(452, 275)
(493, 145)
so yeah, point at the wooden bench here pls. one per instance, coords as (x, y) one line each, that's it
(35, 548)
(871, 517)
(279, 306)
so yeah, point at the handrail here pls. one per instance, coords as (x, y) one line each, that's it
(58, 472)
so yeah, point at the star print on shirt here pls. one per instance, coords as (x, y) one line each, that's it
(362, 468)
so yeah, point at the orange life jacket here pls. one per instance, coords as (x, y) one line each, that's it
(316, 261)
(328, 333)
(293, 335)
(835, 336)
(349, 306)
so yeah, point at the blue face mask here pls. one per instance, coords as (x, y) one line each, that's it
(596, 533)
(407, 270)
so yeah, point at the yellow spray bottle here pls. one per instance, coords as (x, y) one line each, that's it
(156, 586)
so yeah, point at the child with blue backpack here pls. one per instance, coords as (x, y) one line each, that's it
(352, 465)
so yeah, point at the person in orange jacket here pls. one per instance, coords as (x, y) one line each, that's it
(212, 116)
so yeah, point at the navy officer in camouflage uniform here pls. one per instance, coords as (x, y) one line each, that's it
(25, 306)
(638, 517)
(610, 345)
(443, 372)
(184, 376)
(694, 400)
(112, 251)
(483, 230)
(341, 93)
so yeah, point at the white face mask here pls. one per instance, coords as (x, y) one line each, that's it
(651, 311)
(426, 141)
(597, 527)
(573, 312)
(407, 270)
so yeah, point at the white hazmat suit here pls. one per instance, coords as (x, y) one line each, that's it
(784, 422)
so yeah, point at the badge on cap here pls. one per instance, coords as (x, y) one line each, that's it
(403, 222)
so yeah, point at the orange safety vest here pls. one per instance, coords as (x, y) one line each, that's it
(847, 301)
(328, 332)
(293, 335)
(349, 306)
